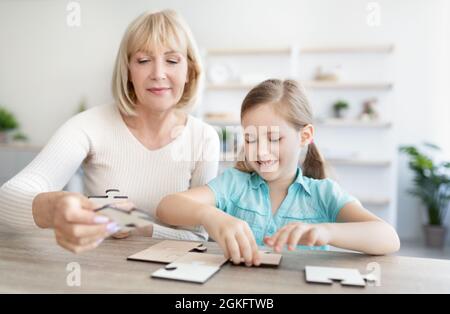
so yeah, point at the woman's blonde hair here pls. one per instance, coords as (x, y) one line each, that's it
(289, 101)
(159, 29)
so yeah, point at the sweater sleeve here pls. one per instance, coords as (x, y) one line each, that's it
(50, 171)
(207, 165)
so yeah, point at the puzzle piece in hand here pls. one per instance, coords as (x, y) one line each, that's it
(326, 275)
(268, 258)
(167, 251)
(117, 208)
(126, 220)
(192, 267)
(111, 196)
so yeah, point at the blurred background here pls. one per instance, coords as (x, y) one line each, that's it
(377, 74)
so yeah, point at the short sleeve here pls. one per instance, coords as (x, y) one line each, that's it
(333, 198)
(225, 187)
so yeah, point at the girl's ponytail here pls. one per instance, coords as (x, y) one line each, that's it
(314, 164)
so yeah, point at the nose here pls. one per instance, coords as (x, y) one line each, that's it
(263, 149)
(158, 71)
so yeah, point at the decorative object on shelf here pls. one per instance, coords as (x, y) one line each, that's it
(340, 109)
(329, 74)
(226, 139)
(20, 138)
(369, 112)
(82, 105)
(7, 123)
(221, 117)
(432, 187)
(220, 73)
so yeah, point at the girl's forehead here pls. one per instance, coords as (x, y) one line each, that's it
(264, 116)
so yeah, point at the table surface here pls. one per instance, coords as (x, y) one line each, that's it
(33, 262)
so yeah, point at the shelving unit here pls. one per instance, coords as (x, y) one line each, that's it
(371, 178)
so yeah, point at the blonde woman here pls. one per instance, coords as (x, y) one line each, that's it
(145, 145)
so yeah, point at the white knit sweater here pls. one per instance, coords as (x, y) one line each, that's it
(112, 158)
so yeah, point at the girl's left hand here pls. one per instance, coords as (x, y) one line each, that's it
(298, 233)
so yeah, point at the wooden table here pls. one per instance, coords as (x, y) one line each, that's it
(32, 262)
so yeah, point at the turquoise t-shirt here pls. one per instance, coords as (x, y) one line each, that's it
(246, 196)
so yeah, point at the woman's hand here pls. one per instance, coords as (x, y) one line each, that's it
(233, 235)
(297, 233)
(77, 228)
(146, 231)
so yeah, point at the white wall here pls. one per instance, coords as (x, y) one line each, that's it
(46, 67)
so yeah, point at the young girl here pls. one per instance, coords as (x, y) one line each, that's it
(268, 199)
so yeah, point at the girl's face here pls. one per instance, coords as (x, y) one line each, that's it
(158, 78)
(272, 145)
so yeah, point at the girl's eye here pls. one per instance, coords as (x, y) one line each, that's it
(172, 61)
(142, 61)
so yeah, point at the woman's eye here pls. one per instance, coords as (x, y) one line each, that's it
(142, 61)
(172, 61)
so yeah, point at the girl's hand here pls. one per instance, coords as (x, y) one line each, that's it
(233, 235)
(77, 228)
(298, 233)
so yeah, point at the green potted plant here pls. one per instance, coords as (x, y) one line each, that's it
(225, 137)
(7, 123)
(340, 109)
(432, 187)
(20, 137)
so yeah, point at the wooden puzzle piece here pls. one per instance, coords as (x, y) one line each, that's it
(268, 258)
(192, 267)
(167, 251)
(326, 275)
(126, 220)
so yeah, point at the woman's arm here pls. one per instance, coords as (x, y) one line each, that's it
(33, 197)
(50, 171)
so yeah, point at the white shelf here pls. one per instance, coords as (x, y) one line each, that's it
(20, 147)
(353, 123)
(358, 162)
(303, 50)
(222, 123)
(248, 51)
(349, 49)
(376, 202)
(311, 85)
(348, 85)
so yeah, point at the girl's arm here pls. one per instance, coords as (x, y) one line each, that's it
(360, 230)
(356, 229)
(197, 207)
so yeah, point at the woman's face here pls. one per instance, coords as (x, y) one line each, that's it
(272, 145)
(158, 78)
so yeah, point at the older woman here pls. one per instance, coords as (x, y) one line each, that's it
(145, 144)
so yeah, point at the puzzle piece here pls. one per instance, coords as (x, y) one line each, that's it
(111, 196)
(268, 258)
(192, 267)
(126, 220)
(167, 251)
(117, 208)
(326, 275)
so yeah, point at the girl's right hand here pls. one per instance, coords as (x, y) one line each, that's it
(233, 235)
(77, 228)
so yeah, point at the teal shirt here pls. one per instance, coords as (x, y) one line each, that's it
(246, 196)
